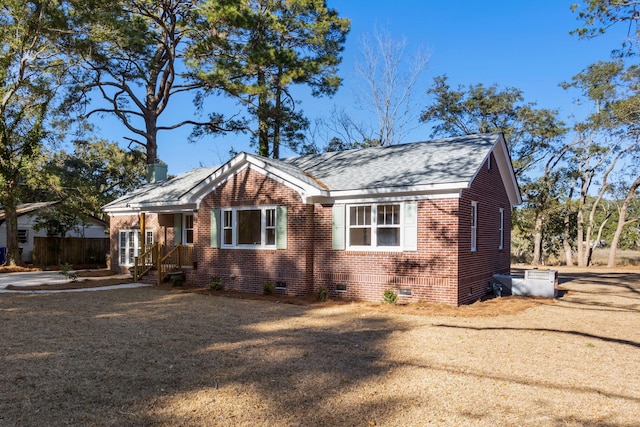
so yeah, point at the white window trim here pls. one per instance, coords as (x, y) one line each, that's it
(474, 226)
(136, 245)
(501, 229)
(374, 229)
(234, 233)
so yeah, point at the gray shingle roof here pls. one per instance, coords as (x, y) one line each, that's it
(430, 163)
(168, 192)
(439, 161)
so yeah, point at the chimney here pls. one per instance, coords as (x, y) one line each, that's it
(156, 172)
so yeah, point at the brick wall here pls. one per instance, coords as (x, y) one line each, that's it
(477, 268)
(430, 273)
(247, 269)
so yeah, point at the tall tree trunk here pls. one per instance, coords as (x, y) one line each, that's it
(277, 122)
(11, 219)
(537, 241)
(598, 237)
(151, 136)
(580, 235)
(566, 232)
(263, 117)
(622, 221)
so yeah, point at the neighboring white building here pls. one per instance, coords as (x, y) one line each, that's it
(27, 216)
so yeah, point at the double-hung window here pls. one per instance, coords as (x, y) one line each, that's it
(360, 228)
(374, 226)
(187, 237)
(388, 225)
(227, 228)
(252, 227)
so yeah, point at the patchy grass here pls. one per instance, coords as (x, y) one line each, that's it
(600, 258)
(154, 357)
(624, 258)
(489, 307)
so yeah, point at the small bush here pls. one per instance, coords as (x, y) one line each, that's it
(177, 280)
(216, 284)
(65, 270)
(268, 287)
(390, 296)
(322, 294)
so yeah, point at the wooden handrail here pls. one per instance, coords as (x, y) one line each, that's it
(141, 270)
(170, 261)
(153, 257)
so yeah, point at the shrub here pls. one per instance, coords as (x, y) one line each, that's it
(177, 279)
(216, 284)
(322, 294)
(65, 270)
(390, 296)
(268, 287)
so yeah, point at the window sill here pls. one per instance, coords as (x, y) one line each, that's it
(375, 249)
(251, 247)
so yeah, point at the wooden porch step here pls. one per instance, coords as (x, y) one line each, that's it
(151, 278)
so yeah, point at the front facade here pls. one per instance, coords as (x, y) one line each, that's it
(430, 220)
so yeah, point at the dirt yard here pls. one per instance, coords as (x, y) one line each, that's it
(163, 357)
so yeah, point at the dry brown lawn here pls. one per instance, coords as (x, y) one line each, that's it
(165, 357)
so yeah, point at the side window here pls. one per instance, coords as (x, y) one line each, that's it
(253, 227)
(375, 226)
(501, 229)
(388, 225)
(227, 228)
(270, 227)
(187, 230)
(360, 226)
(474, 226)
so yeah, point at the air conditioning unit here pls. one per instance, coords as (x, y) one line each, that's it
(536, 283)
(541, 283)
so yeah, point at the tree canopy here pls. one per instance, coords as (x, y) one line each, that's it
(35, 70)
(134, 62)
(256, 51)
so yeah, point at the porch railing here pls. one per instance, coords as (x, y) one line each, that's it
(164, 258)
(145, 261)
(176, 258)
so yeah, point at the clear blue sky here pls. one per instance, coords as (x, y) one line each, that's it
(511, 43)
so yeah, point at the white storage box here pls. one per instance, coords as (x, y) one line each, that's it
(536, 283)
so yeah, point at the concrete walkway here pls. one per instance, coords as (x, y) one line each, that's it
(34, 278)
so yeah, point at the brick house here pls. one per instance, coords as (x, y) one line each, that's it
(431, 220)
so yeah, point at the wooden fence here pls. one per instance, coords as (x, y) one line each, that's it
(72, 250)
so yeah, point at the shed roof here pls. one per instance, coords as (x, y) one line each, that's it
(27, 208)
